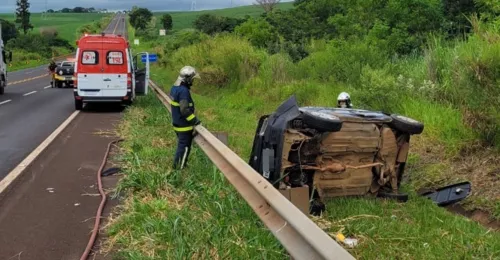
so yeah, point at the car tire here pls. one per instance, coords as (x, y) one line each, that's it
(78, 105)
(406, 125)
(316, 208)
(400, 197)
(322, 122)
(2, 87)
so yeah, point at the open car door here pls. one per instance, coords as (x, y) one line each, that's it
(141, 65)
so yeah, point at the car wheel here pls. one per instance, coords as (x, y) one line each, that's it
(323, 122)
(406, 124)
(2, 87)
(400, 197)
(78, 105)
(316, 208)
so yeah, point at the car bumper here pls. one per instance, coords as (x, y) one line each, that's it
(97, 99)
(64, 78)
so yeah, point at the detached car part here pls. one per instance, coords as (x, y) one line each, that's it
(334, 151)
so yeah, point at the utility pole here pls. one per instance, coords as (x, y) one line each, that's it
(44, 14)
(193, 5)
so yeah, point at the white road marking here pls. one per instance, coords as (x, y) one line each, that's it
(29, 93)
(47, 87)
(5, 102)
(16, 172)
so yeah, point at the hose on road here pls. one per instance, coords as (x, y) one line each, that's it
(85, 254)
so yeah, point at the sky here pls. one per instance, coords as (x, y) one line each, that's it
(154, 5)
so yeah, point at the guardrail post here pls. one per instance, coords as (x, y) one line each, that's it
(222, 136)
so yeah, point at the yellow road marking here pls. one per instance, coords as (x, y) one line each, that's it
(26, 80)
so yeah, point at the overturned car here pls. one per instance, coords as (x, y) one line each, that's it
(333, 151)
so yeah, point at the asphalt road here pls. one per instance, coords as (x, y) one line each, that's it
(48, 212)
(30, 110)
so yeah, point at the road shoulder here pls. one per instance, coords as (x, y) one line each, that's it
(49, 211)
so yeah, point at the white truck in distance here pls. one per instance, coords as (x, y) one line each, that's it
(3, 63)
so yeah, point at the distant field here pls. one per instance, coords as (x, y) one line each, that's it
(66, 24)
(184, 20)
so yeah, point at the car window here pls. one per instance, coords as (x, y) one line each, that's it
(90, 58)
(115, 58)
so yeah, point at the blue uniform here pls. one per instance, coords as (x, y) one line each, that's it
(183, 121)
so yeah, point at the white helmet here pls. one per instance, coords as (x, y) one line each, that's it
(344, 100)
(186, 75)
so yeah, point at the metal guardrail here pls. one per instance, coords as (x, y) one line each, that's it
(300, 236)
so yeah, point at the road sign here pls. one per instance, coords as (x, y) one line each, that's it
(136, 41)
(163, 32)
(152, 58)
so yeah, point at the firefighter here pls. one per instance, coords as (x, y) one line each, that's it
(344, 100)
(183, 117)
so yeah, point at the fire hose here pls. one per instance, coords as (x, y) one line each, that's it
(101, 206)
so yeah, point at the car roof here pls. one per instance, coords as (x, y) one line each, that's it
(350, 114)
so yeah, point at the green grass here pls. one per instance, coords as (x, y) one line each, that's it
(183, 20)
(195, 213)
(66, 24)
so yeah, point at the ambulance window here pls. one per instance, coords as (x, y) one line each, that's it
(115, 58)
(90, 58)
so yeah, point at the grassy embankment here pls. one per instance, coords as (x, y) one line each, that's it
(183, 20)
(66, 26)
(196, 213)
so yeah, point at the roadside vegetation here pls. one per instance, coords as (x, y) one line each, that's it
(52, 35)
(436, 62)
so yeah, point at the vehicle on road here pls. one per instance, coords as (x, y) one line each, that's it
(333, 151)
(105, 71)
(64, 74)
(5, 57)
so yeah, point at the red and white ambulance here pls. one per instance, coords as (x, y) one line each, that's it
(105, 71)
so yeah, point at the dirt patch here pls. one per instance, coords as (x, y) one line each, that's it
(476, 164)
(477, 215)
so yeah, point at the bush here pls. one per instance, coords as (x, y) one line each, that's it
(212, 24)
(38, 44)
(259, 32)
(230, 57)
(48, 32)
(9, 30)
(333, 64)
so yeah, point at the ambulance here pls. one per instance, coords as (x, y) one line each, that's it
(106, 71)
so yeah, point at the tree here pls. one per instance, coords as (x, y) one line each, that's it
(268, 5)
(166, 21)
(212, 24)
(23, 15)
(140, 17)
(9, 30)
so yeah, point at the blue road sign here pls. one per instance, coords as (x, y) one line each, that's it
(152, 57)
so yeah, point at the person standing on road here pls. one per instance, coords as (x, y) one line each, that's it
(183, 117)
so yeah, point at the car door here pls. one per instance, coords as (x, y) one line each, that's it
(141, 71)
(115, 73)
(90, 77)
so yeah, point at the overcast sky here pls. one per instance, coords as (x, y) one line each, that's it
(155, 5)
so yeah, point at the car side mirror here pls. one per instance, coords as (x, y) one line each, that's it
(10, 56)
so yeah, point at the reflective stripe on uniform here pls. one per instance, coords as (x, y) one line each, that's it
(191, 117)
(183, 129)
(173, 103)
